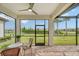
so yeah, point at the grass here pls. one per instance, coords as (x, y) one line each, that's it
(57, 40)
(6, 43)
(64, 40)
(40, 39)
(25, 38)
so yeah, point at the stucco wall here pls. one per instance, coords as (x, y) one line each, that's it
(1, 28)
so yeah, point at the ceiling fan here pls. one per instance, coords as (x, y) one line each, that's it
(30, 8)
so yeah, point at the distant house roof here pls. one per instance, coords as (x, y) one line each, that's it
(3, 19)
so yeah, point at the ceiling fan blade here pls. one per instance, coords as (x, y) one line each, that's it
(35, 12)
(24, 10)
(31, 5)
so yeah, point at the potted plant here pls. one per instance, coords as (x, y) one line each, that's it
(1, 39)
(18, 38)
(7, 37)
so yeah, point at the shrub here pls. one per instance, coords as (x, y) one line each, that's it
(2, 39)
(7, 37)
(18, 36)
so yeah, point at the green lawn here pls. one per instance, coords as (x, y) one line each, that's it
(25, 38)
(6, 43)
(57, 40)
(39, 39)
(64, 40)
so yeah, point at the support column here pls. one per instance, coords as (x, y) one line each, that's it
(1, 28)
(51, 32)
(18, 29)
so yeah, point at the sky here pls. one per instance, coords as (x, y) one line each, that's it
(73, 12)
(71, 23)
(26, 23)
(31, 23)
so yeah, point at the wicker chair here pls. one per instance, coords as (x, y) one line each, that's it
(11, 52)
(28, 46)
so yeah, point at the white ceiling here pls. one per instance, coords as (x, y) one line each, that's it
(40, 8)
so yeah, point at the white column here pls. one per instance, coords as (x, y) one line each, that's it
(51, 32)
(18, 27)
(1, 28)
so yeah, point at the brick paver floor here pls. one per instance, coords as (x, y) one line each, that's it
(55, 50)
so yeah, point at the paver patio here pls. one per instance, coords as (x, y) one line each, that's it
(54, 51)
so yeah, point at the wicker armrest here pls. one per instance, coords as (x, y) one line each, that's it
(10, 52)
(0, 53)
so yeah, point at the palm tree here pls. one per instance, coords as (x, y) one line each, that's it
(66, 19)
(57, 21)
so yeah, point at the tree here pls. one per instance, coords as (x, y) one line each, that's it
(66, 19)
(61, 20)
(23, 29)
(57, 21)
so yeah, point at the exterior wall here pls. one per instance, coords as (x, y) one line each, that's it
(1, 28)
